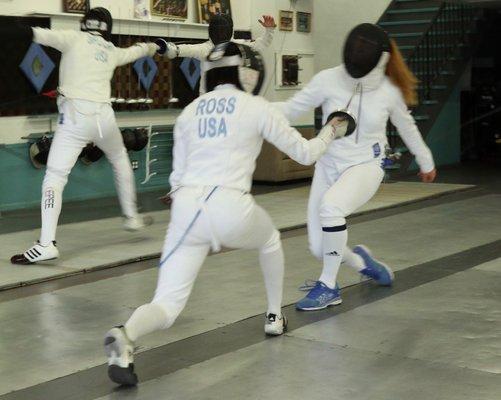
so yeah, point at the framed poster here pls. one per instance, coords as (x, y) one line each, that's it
(208, 8)
(286, 20)
(75, 6)
(303, 22)
(176, 9)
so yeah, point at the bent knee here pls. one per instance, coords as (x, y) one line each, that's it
(273, 243)
(331, 214)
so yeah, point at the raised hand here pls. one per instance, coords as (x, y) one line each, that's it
(268, 21)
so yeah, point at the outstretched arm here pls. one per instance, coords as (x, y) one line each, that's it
(404, 122)
(130, 54)
(60, 40)
(171, 50)
(276, 130)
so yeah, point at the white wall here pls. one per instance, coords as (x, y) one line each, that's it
(332, 21)
(320, 49)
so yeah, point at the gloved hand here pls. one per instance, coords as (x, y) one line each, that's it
(334, 129)
(152, 49)
(168, 48)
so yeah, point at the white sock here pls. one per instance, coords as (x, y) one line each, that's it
(51, 208)
(272, 266)
(353, 260)
(334, 241)
(146, 319)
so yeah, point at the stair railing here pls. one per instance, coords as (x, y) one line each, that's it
(446, 33)
(442, 40)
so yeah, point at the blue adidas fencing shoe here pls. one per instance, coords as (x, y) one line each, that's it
(374, 269)
(320, 296)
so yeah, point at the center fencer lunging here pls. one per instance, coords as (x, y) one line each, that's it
(217, 139)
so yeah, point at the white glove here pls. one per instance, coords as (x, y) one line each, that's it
(172, 50)
(152, 49)
(335, 129)
(167, 48)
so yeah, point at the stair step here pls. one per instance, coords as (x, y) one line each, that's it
(435, 87)
(405, 34)
(429, 102)
(433, 46)
(429, 59)
(413, 10)
(447, 73)
(405, 22)
(421, 117)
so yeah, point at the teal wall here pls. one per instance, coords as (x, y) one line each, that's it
(20, 182)
(444, 138)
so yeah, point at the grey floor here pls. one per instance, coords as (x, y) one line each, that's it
(435, 335)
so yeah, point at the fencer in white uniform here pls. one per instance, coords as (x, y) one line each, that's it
(217, 139)
(88, 61)
(350, 173)
(220, 31)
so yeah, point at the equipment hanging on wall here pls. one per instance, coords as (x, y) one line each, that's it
(135, 139)
(91, 153)
(39, 151)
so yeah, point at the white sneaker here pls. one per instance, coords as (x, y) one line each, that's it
(275, 326)
(120, 352)
(36, 253)
(137, 223)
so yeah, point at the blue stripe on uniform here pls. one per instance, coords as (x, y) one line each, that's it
(190, 226)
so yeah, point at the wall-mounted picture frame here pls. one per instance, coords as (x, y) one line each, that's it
(171, 9)
(286, 20)
(75, 6)
(303, 21)
(208, 8)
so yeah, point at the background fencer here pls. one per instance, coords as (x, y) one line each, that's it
(220, 31)
(217, 139)
(375, 85)
(88, 61)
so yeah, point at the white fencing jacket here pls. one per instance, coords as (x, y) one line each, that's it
(200, 51)
(218, 137)
(88, 61)
(380, 99)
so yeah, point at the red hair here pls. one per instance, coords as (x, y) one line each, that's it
(400, 74)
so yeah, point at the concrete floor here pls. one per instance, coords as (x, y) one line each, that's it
(434, 335)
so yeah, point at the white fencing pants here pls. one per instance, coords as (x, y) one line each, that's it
(334, 196)
(201, 218)
(81, 122)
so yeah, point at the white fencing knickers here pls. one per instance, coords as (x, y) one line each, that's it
(81, 122)
(201, 218)
(333, 196)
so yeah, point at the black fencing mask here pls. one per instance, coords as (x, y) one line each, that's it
(237, 64)
(98, 20)
(39, 151)
(363, 48)
(220, 28)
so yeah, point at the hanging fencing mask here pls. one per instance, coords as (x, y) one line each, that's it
(220, 28)
(237, 64)
(39, 152)
(98, 19)
(363, 49)
(91, 153)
